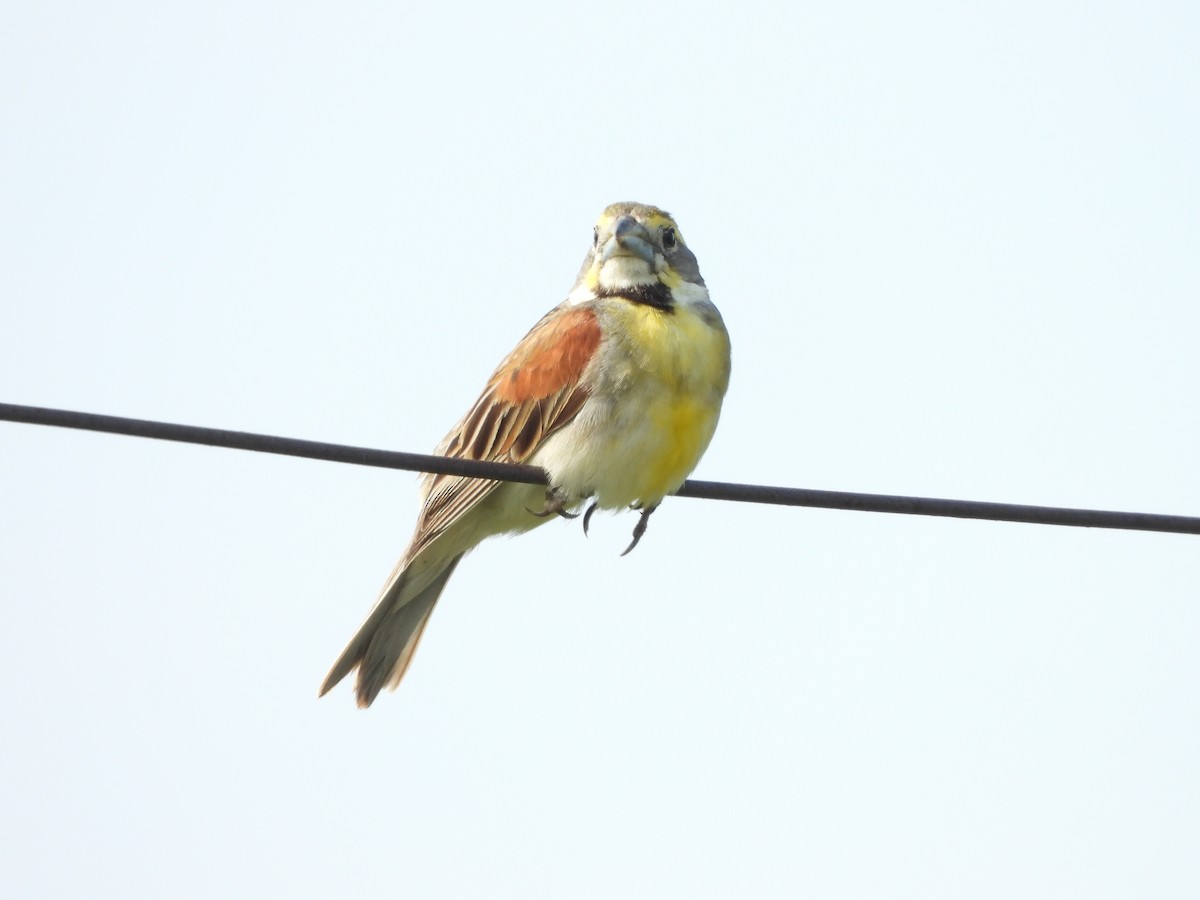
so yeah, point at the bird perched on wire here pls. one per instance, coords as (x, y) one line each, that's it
(615, 393)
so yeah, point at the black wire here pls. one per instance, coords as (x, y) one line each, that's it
(266, 443)
(706, 490)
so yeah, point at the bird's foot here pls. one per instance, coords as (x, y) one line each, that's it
(587, 517)
(555, 505)
(640, 528)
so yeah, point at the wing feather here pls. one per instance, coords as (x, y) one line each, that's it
(536, 391)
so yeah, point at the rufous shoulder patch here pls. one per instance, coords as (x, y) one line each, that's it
(550, 358)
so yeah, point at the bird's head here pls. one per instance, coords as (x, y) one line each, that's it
(636, 246)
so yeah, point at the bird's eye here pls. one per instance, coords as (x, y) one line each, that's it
(668, 238)
(595, 236)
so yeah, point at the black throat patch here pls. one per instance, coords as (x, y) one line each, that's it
(657, 295)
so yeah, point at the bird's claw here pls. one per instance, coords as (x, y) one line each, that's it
(555, 505)
(640, 528)
(587, 517)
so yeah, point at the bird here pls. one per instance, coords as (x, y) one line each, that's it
(615, 394)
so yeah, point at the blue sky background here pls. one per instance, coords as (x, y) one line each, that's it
(956, 249)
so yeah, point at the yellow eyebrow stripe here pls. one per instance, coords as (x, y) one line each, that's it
(652, 221)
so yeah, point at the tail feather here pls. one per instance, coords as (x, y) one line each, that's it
(384, 645)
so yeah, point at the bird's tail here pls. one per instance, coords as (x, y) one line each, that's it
(386, 642)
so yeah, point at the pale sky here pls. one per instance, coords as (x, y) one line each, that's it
(956, 247)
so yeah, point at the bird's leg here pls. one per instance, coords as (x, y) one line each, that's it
(640, 528)
(555, 504)
(587, 516)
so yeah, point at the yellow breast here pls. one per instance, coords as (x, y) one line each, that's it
(677, 347)
(671, 372)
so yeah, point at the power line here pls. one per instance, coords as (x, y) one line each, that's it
(706, 490)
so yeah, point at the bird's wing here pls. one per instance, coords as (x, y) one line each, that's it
(534, 392)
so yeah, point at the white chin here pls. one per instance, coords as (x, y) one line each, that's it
(626, 271)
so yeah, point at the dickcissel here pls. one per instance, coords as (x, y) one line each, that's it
(615, 393)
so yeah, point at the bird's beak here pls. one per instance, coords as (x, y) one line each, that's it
(628, 237)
